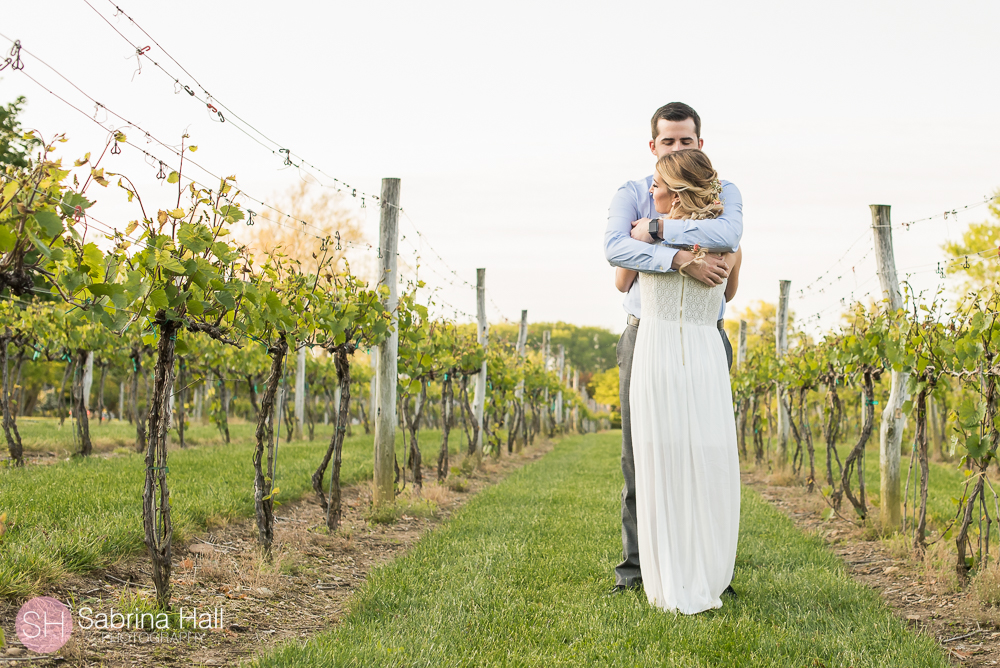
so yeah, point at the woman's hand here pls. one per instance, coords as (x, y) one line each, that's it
(640, 231)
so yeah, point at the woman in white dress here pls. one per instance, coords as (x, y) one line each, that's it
(687, 476)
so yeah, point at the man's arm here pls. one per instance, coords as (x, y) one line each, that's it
(722, 232)
(620, 249)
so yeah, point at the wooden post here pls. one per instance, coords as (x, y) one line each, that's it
(890, 432)
(546, 415)
(483, 341)
(562, 379)
(741, 351)
(88, 379)
(300, 393)
(781, 335)
(522, 342)
(386, 373)
(372, 385)
(576, 411)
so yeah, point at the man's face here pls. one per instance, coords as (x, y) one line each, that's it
(674, 136)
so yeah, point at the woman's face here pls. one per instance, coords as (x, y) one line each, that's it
(663, 199)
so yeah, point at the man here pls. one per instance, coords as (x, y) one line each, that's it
(628, 243)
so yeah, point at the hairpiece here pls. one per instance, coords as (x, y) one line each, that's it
(716, 186)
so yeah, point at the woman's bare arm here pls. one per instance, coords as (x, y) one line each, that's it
(736, 259)
(624, 278)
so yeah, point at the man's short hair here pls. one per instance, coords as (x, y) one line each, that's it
(677, 111)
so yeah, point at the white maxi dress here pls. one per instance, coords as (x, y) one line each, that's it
(687, 477)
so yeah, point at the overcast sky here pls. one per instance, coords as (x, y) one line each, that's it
(512, 124)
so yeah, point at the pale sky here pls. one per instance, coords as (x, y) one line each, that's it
(512, 124)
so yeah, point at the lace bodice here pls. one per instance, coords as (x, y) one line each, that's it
(662, 296)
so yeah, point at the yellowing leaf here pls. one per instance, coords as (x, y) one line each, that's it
(7, 239)
(130, 228)
(176, 213)
(10, 189)
(122, 186)
(192, 148)
(169, 262)
(161, 216)
(174, 177)
(98, 175)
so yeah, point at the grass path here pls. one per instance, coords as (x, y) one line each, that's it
(518, 578)
(81, 514)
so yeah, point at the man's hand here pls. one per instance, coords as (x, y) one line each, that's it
(640, 230)
(712, 270)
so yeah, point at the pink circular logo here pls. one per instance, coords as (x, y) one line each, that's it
(43, 624)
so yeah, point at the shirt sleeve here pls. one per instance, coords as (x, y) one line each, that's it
(722, 232)
(620, 249)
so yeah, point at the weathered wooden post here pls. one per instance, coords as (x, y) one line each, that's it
(372, 385)
(890, 433)
(88, 379)
(522, 340)
(781, 335)
(576, 411)
(300, 393)
(483, 328)
(741, 351)
(386, 372)
(561, 367)
(547, 414)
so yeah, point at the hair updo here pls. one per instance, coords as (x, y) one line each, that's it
(690, 174)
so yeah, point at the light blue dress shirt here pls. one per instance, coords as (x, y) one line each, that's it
(633, 201)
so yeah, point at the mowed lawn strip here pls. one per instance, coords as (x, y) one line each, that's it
(81, 514)
(518, 577)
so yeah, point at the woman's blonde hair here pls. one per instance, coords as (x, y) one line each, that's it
(690, 174)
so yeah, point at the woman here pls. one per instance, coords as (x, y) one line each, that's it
(683, 429)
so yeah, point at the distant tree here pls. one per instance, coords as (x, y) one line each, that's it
(762, 323)
(326, 214)
(984, 236)
(604, 386)
(760, 317)
(589, 349)
(15, 148)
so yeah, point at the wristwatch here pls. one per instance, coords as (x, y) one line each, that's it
(654, 229)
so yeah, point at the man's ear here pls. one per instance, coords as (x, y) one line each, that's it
(701, 142)
(652, 146)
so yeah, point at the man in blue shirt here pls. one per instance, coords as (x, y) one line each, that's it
(628, 243)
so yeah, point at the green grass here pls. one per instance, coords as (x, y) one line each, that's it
(945, 484)
(81, 514)
(518, 578)
(43, 434)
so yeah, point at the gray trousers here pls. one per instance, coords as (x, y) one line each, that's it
(627, 573)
